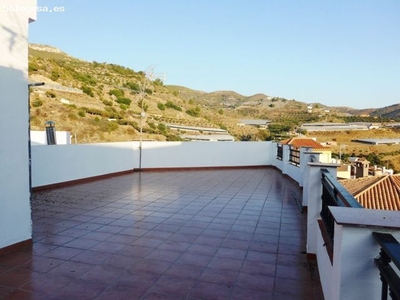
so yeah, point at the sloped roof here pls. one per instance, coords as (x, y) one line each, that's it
(379, 192)
(303, 142)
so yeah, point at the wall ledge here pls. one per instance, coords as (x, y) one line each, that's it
(79, 181)
(363, 217)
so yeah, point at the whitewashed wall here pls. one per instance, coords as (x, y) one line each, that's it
(15, 212)
(53, 164)
(61, 163)
(353, 274)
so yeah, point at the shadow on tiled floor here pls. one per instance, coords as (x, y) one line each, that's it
(228, 234)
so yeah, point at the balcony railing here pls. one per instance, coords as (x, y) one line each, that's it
(279, 152)
(294, 156)
(333, 194)
(390, 252)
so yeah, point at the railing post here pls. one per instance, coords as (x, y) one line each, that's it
(312, 191)
(285, 158)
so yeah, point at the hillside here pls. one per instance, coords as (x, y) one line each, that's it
(99, 102)
(102, 102)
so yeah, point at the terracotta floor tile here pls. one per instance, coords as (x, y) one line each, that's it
(22, 295)
(64, 253)
(4, 290)
(16, 278)
(71, 269)
(220, 234)
(264, 257)
(141, 281)
(223, 263)
(135, 251)
(231, 253)
(158, 296)
(174, 246)
(91, 257)
(187, 271)
(207, 290)
(104, 274)
(122, 239)
(81, 243)
(81, 289)
(47, 284)
(108, 247)
(164, 255)
(253, 281)
(151, 266)
(120, 261)
(117, 292)
(195, 259)
(218, 276)
(173, 286)
(299, 288)
(258, 268)
(252, 294)
(202, 249)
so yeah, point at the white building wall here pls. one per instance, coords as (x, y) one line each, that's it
(15, 212)
(61, 163)
(353, 274)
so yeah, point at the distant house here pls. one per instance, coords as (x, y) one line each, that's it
(378, 192)
(297, 143)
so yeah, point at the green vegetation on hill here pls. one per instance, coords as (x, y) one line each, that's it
(112, 97)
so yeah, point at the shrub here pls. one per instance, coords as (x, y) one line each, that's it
(194, 112)
(117, 93)
(87, 90)
(132, 85)
(54, 75)
(162, 128)
(125, 101)
(33, 67)
(160, 106)
(81, 113)
(108, 103)
(50, 94)
(72, 116)
(86, 78)
(158, 82)
(37, 103)
(172, 105)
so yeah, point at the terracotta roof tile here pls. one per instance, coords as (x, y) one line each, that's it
(303, 142)
(381, 192)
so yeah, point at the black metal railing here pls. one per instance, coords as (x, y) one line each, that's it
(390, 252)
(279, 152)
(333, 194)
(294, 156)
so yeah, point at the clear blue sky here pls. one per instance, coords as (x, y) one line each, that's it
(339, 53)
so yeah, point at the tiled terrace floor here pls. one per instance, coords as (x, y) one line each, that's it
(225, 234)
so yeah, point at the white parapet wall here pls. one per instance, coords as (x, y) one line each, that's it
(353, 274)
(62, 163)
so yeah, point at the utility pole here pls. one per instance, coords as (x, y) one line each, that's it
(149, 76)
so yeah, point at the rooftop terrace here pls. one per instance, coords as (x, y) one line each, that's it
(220, 234)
